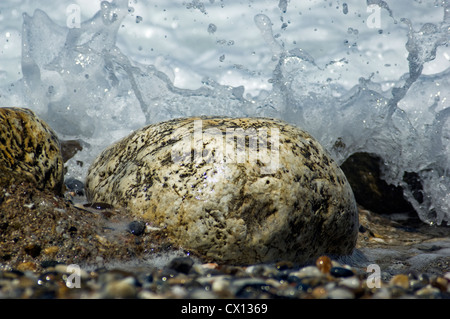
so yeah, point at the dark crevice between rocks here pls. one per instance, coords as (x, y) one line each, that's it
(373, 193)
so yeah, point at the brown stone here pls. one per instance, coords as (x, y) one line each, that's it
(29, 150)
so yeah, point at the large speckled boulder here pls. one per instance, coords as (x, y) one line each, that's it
(29, 150)
(239, 191)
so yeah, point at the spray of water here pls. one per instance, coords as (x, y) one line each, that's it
(85, 87)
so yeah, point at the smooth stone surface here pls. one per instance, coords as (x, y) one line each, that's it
(29, 150)
(341, 272)
(293, 203)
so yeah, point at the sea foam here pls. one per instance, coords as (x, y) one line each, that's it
(361, 77)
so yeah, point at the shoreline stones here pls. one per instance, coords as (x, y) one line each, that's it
(242, 191)
(185, 278)
(29, 150)
(363, 172)
(39, 229)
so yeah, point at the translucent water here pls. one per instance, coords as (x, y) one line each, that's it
(367, 76)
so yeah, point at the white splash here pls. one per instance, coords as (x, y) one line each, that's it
(372, 90)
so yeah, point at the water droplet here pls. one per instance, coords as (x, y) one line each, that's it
(344, 8)
(283, 5)
(212, 28)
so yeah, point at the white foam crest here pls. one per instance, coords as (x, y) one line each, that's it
(319, 67)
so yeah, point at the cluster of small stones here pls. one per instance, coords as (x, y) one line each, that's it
(183, 277)
(38, 228)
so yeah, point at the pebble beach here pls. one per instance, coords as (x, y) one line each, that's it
(57, 245)
(98, 252)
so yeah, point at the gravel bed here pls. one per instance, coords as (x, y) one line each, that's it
(57, 248)
(184, 277)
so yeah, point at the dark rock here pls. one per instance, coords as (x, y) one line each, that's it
(414, 183)
(33, 250)
(283, 265)
(181, 264)
(70, 148)
(341, 272)
(371, 191)
(136, 227)
(75, 186)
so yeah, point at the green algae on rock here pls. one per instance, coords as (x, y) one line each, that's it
(29, 150)
(234, 190)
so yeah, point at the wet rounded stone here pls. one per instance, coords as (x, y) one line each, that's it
(136, 227)
(181, 264)
(75, 186)
(324, 264)
(341, 272)
(400, 280)
(29, 150)
(284, 199)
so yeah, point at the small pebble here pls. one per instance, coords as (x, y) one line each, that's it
(351, 282)
(308, 271)
(428, 292)
(124, 288)
(382, 293)
(221, 284)
(261, 270)
(29, 265)
(339, 272)
(181, 264)
(415, 284)
(400, 281)
(319, 292)
(341, 293)
(52, 250)
(75, 186)
(440, 283)
(136, 227)
(324, 264)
